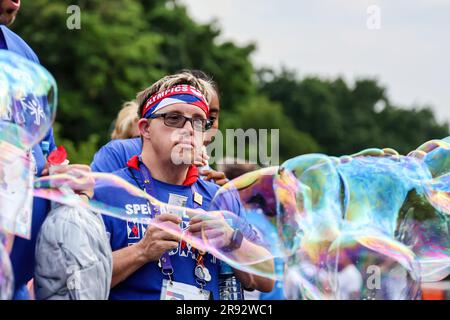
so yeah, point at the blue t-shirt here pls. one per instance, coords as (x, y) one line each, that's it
(12, 42)
(146, 282)
(22, 254)
(114, 155)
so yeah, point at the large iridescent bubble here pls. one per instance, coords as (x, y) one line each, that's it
(16, 190)
(367, 227)
(255, 256)
(27, 110)
(347, 228)
(359, 227)
(28, 98)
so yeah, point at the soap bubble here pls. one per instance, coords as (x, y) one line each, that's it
(27, 100)
(359, 227)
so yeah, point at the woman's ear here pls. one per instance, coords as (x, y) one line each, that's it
(144, 125)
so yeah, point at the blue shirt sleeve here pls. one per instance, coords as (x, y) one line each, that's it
(15, 44)
(51, 140)
(23, 252)
(105, 160)
(114, 155)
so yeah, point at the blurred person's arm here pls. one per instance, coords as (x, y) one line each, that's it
(217, 177)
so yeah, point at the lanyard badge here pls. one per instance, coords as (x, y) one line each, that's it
(201, 273)
(198, 198)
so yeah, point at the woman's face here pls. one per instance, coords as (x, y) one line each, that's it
(134, 132)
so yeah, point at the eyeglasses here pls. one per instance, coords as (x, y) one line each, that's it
(176, 120)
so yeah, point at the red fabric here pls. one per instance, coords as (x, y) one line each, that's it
(156, 98)
(191, 176)
(58, 156)
(133, 162)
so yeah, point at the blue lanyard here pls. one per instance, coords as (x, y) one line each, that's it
(148, 182)
(166, 264)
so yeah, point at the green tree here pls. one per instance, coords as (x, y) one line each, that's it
(98, 67)
(188, 44)
(260, 113)
(123, 46)
(344, 119)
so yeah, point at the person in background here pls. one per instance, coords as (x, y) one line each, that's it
(206, 171)
(125, 126)
(115, 154)
(233, 169)
(23, 251)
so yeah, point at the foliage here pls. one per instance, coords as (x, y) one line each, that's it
(123, 46)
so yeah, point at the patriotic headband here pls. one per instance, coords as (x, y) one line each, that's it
(178, 94)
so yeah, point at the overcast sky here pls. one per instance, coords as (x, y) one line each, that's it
(409, 54)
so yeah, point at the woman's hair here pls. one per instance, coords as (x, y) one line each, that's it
(204, 76)
(185, 77)
(125, 121)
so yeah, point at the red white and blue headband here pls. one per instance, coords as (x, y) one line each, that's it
(178, 94)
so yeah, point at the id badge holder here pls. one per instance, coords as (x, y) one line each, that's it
(172, 290)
